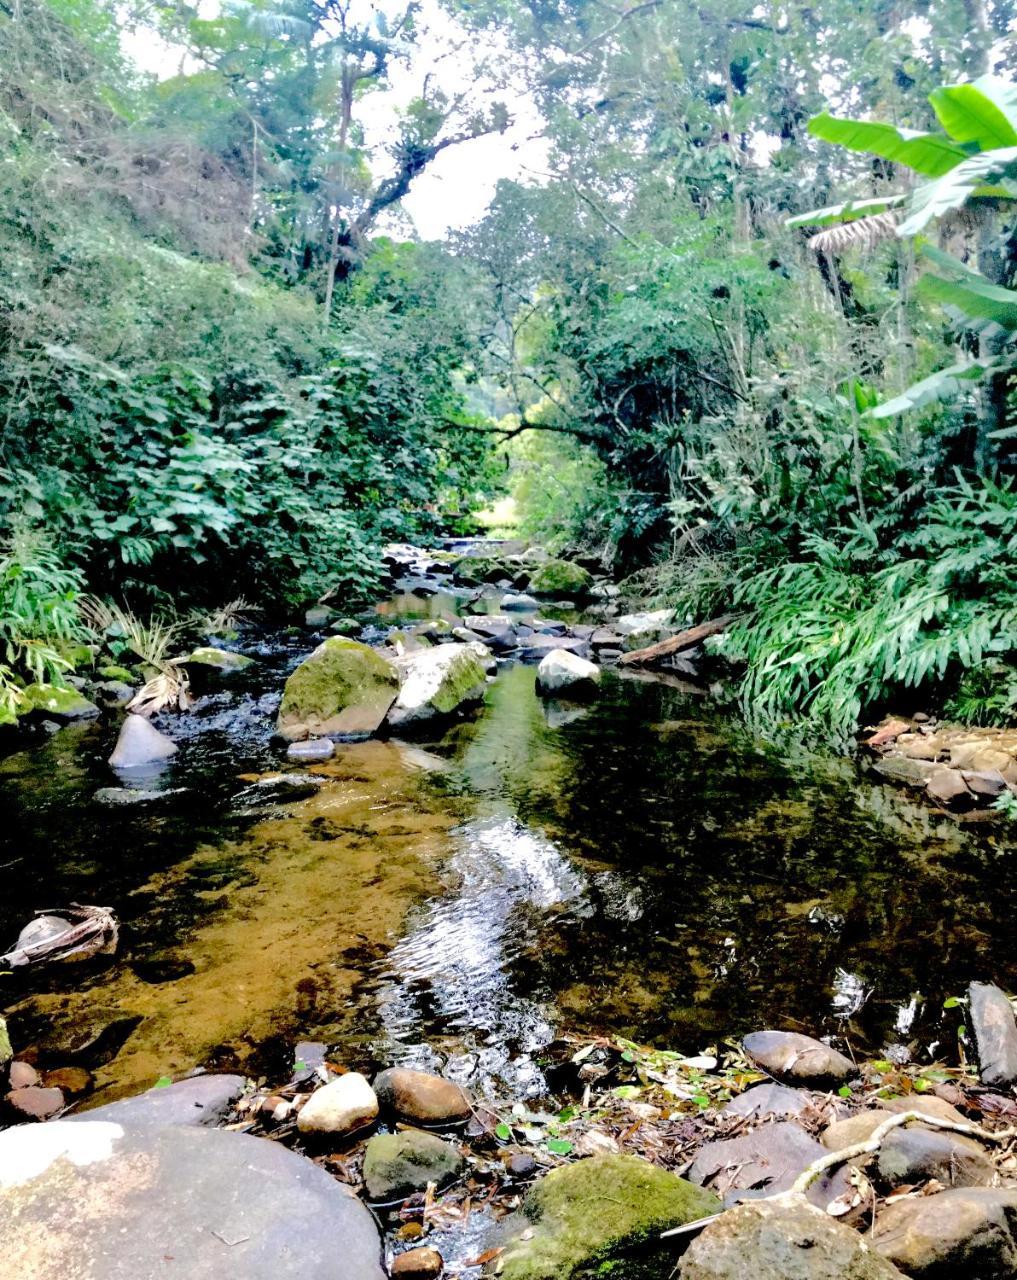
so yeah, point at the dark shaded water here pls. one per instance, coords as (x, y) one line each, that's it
(640, 864)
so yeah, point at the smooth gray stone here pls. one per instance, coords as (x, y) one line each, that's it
(197, 1101)
(100, 1202)
(995, 1031)
(768, 1100)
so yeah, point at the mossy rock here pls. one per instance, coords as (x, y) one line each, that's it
(111, 671)
(346, 627)
(591, 1218)
(397, 1164)
(217, 659)
(475, 570)
(560, 578)
(57, 703)
(344, 689)
(437, 682)
(6, 1052)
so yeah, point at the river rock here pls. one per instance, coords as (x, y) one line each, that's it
(128, 797)
(576, 1219)
(319, 615)
(656, 622)
(781, 1240)
(22, 1075)
(560, 578)
(112, 694)
(926, 1104)
(947, 786)
(73, 1082)
(311, 749)
(992, 1019)
(280, 788)
(764, 1162)
(968, 1233)
(422, 1098)
(34, 1102)
(915, 1154)
(519, 603)
(912, 773)
(197, 1101)
(56, 703)
(562, 670)
(139, 744)
(397, 1164)
(856, 1128)
(535, 648)
(6, 1052)
(437, 682)
(419, 1264)
(224, 660)
(341, 1107)
(768, 1100)
(794, 1057)
(343, 689)
(96, 1201)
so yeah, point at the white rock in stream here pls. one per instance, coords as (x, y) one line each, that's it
(140, 743)
(343, 1105)
(562, 670)
(436, 682)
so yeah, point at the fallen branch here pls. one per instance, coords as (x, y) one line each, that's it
(687, 639)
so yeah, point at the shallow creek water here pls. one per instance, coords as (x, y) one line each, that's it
(640, 864)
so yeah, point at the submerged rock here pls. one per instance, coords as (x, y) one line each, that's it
(437, 682)
(127, 797)
(397, 1164)
(34, 1102)
(311, 749)
(562, 670)
(421, 1097)
(419, 1264)
(791, 1056)
(995, 1029)
(965, 1232)
(781, 1240)
(577, 1218)
(139, 744)
(343, 689)
(96, 1199)
(341, 1107)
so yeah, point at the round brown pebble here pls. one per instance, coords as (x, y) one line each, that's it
(34, 1102)
(22, 1075)
(420, 1264)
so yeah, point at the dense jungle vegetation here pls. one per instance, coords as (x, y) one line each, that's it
(749, 355)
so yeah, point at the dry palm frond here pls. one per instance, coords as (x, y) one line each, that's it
(150, 641)
(864, 233)
(225, 617)
(168, 688)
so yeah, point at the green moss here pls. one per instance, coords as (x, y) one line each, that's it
(586, 1219)
(343, 688)
(397, 1164)
(560, 578)
(464, 679)
(346, 627)
(6, 1052)
(219, 659)
(113, 672)
(60, 704)
(473, 570)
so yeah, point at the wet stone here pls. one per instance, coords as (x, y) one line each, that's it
(992, 1019)
(311, 749)
(960, 1233)
(34, 1102)
(196, 1102)
(419, 1264)
(768, 1100)
(794, 1057)
(22, 1074)
(74, 1082)
(422, 1098)
(398, 1164)
(341, 1107)
(140, 743)
(764, 1162)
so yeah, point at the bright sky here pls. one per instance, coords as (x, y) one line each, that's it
(456, 189)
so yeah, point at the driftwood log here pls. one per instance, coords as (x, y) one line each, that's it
(687, 639)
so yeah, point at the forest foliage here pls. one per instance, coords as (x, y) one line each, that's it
(747, 337)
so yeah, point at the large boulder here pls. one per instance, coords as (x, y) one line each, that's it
(437, 682)
(56, 703)
(344, 689)
(967, 1232)
(560, 578)
(140, 743)
(397, 1164)
(781, 1240)
(796, 1058)
(98, 1201)
(576, 1219)
(196, 1101)
(224, 660)
(562, 671)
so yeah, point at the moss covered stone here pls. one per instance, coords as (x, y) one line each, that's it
(56, 703)
(437, 682)
(112, 671)
(217, 659)
(560, 578)
(590, 1219)
(344, 689)
(397, 1164)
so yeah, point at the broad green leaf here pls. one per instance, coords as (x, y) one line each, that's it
(503, 1131)
(931, 154)
(992, 174)
(848, 211)
(943, 385)
(976, 299)
(983, 113)
(559, 1146)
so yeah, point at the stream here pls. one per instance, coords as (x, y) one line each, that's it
(640, 865)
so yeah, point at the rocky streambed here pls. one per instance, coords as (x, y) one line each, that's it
(526, 857)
